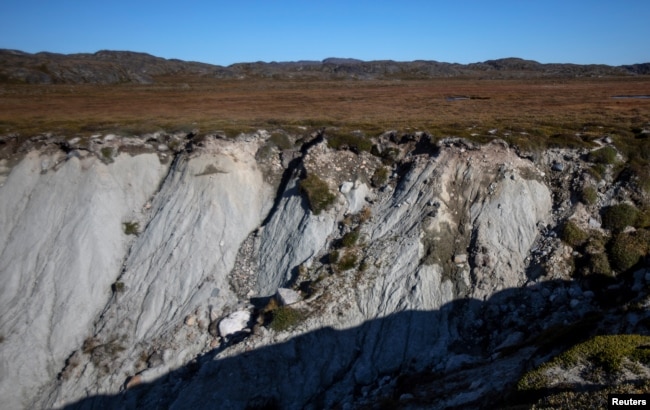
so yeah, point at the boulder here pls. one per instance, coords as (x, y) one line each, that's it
(346, 187)
(234, 323)
(288, 296)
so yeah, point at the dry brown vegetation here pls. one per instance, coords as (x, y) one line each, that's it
(540, 107)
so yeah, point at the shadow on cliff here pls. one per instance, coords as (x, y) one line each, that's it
(325, 368)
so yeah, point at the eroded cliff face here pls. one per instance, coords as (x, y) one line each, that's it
(62, 246)
(431, 269)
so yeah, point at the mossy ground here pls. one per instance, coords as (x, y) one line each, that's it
(607, 353)
(602, 359)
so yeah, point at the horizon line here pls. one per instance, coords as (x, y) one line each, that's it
(348, 59)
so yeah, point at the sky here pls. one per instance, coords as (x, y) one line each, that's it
(612, 32)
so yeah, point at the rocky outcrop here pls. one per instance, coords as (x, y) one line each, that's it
(200, 274)
(282, 249)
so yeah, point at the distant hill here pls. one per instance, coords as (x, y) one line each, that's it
(102, 67)
(112, 67)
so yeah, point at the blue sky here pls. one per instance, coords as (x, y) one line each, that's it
(218, 32)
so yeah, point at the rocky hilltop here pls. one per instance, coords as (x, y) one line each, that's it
(102, 67)
(113, 67)
(321, 270)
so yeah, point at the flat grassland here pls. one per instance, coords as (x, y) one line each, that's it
(534, 107)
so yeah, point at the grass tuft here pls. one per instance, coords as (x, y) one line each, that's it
(605, 155)
(285, 318)
(380, 177)
(627, 249)
(318, 193)
(131, 228)
(347, 261)
(620, 216)
(118, 287)
(573, 235)
(350, 239)
(345, 140)
(589, 195)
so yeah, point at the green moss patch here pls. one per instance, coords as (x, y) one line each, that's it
(589, 195)
(347, 261)
(380, 177)
(131, 228)
(350, 239)
(344, 140)
(605, 155)
(627, 249)
(318, 193)
(600, 354)
(619, 216)
(573, 235)
(284, 318)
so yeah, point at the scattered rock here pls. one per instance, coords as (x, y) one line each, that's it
(190, 320)
(436, 214)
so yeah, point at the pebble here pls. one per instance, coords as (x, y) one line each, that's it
(460, 258)
(557, 166)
